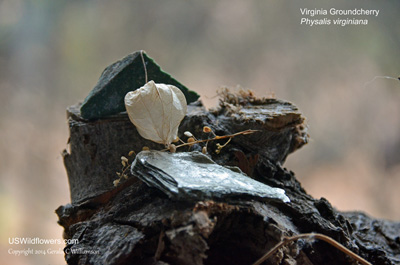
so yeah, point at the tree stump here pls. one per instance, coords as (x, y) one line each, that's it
(136, 224)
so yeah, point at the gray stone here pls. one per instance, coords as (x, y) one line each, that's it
(194, 176)
(128, 74)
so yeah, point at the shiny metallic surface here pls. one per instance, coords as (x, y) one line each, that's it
(194, 176)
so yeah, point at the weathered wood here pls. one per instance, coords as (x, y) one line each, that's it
(96, 147)
(135, 224)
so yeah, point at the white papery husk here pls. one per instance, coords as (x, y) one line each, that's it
(156, 110)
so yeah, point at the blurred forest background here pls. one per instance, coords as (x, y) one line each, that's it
(53, 52)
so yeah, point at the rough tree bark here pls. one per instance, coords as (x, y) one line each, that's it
(136, 224)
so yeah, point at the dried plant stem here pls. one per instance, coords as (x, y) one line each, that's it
(246, 132)
(144, 66)
(227, 142)
(325, 238)
(125, 169)
(222, 146)
(380, 77)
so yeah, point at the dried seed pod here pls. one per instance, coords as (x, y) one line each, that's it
(204, 150)
(116, 182)
(188, 134)
(191, 140)
(156, 110)
(207, 129)
(145, 148)
(131, 153)
(123, 158)
(172, 148)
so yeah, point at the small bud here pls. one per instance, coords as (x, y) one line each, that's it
(131, 153)
(204, 150)
(176, 140)
(125, 176)
(172, 148)
(145, 148)
(191, 140)
(207, 129)
(118, 174)
(116, 182)
(123, 163)
(123, 158)
(188, 134)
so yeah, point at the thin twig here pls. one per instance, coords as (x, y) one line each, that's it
(160, 246)
(325, 238)
(380, 77)
(221, 137)
(246, 132)
(222, 146)
(144, 66)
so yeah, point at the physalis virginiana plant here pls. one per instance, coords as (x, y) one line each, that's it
(156, 110)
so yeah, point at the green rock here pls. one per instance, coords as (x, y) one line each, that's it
(128, 74)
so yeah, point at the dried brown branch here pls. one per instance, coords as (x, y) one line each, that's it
(325, 238)
(246, 132)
